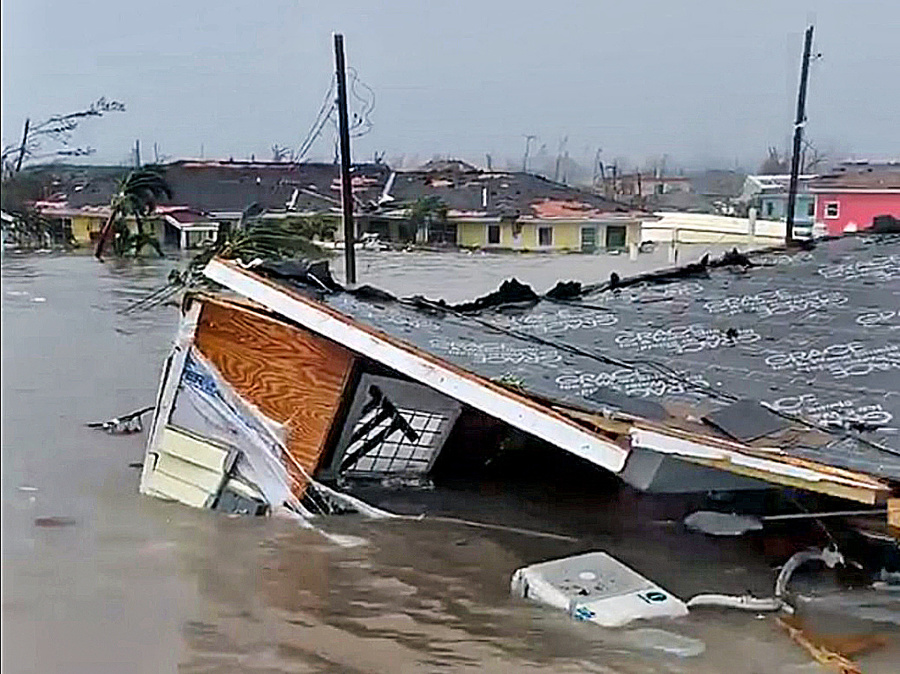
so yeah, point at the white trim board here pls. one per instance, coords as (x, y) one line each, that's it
(667, 444)
(168, 387)
(443, 377)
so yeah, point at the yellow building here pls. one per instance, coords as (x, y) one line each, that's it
(85, 223)
(548, 234)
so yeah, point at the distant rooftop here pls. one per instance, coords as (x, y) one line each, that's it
(466, 189)
(861, 175)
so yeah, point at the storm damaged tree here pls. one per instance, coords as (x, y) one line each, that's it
(137, 197)
(21, 188)
(58, 130)
(254, 237)
(29, 229)
(812, 159)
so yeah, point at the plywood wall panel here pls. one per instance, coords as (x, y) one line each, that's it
(293, 376)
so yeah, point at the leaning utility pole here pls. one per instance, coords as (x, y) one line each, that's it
(799, 123)
(346, 185)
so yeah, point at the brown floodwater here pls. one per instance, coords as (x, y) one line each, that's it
(97, 578)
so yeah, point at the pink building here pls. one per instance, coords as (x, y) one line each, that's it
(852, 196)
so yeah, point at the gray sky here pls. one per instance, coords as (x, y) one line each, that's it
(699, 80)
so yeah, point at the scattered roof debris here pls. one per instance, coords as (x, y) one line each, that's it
(745, 420)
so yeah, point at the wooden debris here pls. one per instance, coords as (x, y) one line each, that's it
(830, 650)
(893, 517)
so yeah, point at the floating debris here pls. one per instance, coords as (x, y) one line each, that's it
(54, 522)
(722, 524)
(597, 588)
(125, 424)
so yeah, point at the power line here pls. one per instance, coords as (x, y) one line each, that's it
(325, 111)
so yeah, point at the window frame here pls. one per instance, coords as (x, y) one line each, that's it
(837, 210)
(540, 230)
(492, 228)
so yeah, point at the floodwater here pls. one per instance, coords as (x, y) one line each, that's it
(124, 583)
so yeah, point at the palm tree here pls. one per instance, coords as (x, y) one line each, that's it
(136, 197)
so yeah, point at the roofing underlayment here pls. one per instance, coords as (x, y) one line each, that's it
(778, 365)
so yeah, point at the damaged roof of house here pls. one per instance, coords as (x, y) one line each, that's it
(230, 186)
(467, 190)
(227, 186)
(811, 335)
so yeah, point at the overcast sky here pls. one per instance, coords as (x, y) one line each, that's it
(699, 80)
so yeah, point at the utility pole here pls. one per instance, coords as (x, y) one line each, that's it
(528, 139)
(137, 153)
(24, 143)
(799, 123)
(346, 185)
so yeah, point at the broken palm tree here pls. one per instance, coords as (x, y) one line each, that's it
(254, 239)
(136, 198)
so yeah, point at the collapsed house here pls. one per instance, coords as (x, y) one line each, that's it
(771, 369)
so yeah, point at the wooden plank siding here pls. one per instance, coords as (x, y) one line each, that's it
(290, 374)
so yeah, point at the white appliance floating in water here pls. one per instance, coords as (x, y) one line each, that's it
(597, 588)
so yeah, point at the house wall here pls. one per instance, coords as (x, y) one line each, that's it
(855, 209)
(566, 235)
(705, 228)
(82, 226)
(471, 234)
(778, 204)
(86, 228)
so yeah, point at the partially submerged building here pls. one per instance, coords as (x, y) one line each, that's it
(774, 370)
(510, 210)
(501, 210)
(210, 195)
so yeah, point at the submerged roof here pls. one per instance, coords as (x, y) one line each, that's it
(811, 337)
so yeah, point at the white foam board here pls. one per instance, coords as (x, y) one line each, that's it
(596, 587)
